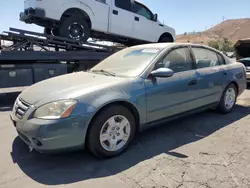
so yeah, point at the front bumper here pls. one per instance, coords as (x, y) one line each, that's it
(30, 15)
(47, 136)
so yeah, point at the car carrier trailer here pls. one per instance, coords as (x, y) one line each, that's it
(33, 57)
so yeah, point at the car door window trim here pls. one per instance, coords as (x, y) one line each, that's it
(176, 48)
(212, 51)
(146, 73)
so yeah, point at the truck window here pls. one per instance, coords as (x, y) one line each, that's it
(123, 4)
(143, 11)
(102, 1)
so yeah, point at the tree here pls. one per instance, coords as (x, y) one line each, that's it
(224, 45)
(214, 44)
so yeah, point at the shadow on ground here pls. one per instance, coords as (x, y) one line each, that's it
(79, 166)
(7, 100)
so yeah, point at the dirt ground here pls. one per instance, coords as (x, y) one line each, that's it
(202, 151)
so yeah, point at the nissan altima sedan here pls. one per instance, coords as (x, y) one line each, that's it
(132, 90)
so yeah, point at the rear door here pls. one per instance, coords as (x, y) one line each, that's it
(121, 18)
(144, 26)
(211, 73)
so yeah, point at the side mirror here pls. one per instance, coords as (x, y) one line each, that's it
(162, 72)
(155, 18)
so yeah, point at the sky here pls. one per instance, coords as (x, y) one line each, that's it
(182, 15)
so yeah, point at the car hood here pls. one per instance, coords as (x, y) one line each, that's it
(67, 86)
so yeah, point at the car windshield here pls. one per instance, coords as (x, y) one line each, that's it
(129, 62)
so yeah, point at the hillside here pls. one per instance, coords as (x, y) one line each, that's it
(232, 29)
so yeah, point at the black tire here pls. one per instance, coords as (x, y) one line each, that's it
(165, 39)
(55, 32)
(84, 34)
(93, 137)
(51, 31)
(222, 105)
(47, 31)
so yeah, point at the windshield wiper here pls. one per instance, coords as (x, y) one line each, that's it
(105, 72)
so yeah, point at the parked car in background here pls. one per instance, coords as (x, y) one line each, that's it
(126, 21)
(246, 63)
(130, 91)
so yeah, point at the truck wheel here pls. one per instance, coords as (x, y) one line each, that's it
(53, 31)
(47, 31)
(75, 28)
(166, 39)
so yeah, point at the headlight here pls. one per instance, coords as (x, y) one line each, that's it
(55, 110)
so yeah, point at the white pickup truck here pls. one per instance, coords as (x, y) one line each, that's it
(124, 21)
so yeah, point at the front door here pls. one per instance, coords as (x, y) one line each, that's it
(121, 18)
(166, 97)
(144, 26)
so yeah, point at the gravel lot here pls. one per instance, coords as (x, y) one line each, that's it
(205, 150)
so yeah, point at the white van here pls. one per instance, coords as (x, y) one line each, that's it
(125, 21)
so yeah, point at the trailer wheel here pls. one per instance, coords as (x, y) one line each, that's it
(75, 28)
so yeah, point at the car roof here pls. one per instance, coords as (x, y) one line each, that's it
(166, 45)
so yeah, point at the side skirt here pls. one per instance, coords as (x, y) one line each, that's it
(177, 116)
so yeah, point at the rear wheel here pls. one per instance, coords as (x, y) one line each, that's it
(76, 28)
(228, 99)
(111, 132)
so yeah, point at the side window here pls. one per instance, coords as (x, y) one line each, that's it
(102, 1)
(205, 58)
(178, 60)
(143, 11)
(123, 4)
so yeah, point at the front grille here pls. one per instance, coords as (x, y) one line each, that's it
(20, 108)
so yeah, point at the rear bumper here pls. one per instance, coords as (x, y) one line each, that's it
(30, 15)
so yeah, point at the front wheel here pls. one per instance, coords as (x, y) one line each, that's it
(111, 132)
(76, 28)
(228, 99)
(165, 39)
(51, 31)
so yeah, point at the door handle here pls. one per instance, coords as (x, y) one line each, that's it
(224, 72)
(193, 82)
(115, 12)
(137, 18)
